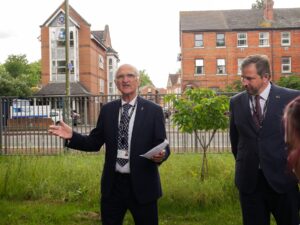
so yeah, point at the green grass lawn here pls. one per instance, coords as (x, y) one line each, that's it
(64, 190)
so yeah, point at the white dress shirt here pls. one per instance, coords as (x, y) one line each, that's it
(262, 100)
(133, 102)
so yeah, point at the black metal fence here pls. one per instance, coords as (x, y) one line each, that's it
(24, 124)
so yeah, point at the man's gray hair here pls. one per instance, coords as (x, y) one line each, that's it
(135, 70)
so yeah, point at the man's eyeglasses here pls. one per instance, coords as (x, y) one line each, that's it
(123, 76)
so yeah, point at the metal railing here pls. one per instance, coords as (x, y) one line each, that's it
(24, 124)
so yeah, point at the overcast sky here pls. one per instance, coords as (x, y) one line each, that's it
(145, 33)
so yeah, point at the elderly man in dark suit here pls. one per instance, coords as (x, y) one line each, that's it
(257, 137)
(128, 127)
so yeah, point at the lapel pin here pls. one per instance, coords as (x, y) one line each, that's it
(277, 96)
(142, 108)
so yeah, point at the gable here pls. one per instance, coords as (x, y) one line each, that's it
(72, 14)
(58, 20)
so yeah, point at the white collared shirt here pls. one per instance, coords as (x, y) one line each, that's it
(262, 100)
(126, 168)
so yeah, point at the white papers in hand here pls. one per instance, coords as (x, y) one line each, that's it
(157, 149)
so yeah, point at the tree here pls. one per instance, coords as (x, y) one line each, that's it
(144, 78)
(34, 73)
(292, 82)
(259, 4)
(16, 65)
(10, 86)
(236, 86)
(2, 69)
(202, 112)
(17, 77)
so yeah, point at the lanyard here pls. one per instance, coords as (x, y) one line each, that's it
(131, 113)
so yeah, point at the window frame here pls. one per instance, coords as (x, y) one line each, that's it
(101, 61)
(264, 39)
(220, 46)
(284, 38)
(196, 40)
(242, 39)
(201, 66)
(239, 66)
(218, 66)
(285, 64)
(57, 54)
(101, 86)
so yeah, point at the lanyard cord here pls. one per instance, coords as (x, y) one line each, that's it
(131, 113)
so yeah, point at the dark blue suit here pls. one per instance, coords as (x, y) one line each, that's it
(261, 157)
(148, 131)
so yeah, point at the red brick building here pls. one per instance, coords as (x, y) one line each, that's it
(93, 59)
(214, 43)
(148, 89)
(174, 84)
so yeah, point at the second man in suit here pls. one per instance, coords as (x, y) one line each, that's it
(257, 137)
(128, 127)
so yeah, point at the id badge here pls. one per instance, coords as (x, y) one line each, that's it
(123, 154)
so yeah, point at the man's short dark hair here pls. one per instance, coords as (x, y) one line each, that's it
(261, 62)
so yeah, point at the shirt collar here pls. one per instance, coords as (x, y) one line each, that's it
(265, 94)
(132, 102)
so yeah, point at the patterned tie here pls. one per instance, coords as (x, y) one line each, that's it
(257, 113)
(123, 133)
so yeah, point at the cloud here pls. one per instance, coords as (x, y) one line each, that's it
(5, 34)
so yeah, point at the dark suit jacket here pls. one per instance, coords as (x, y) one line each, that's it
(263, 147)
(148, 131)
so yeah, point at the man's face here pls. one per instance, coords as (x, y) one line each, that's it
(252, 82)
(127, 81)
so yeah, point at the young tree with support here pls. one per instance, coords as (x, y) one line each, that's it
(202, 112)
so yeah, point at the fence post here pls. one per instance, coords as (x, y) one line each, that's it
(1, 124)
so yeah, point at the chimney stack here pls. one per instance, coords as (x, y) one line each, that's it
(268, 10)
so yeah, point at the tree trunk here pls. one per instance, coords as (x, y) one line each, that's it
(204, 144)
(204, 166)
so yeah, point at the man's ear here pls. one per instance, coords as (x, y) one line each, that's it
(138, 80)
(266, 77)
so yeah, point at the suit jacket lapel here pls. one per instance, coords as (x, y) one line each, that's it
(271, 106)
(139, 117)
(247, 110)
(115, 119)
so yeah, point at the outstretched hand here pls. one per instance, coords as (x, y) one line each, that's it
(61, 130)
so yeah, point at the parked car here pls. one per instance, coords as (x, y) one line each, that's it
(167, 112)
(75, 117)
(56, 115)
